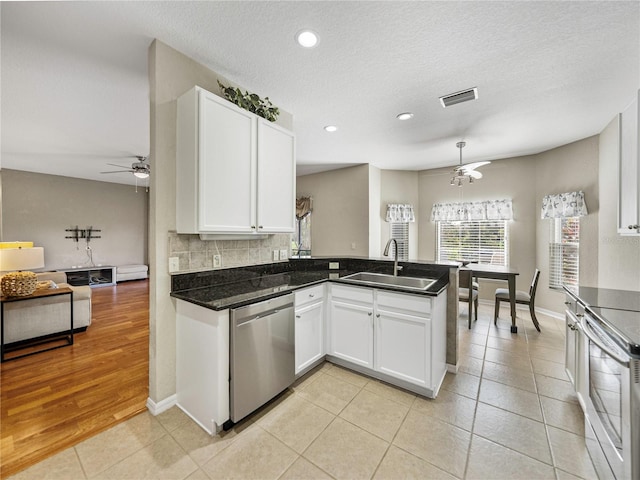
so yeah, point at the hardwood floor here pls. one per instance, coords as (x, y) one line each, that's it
(56, 399)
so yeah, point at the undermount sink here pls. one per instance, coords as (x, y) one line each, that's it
(412, 283)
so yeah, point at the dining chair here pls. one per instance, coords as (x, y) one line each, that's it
(523, 298)
(466, 292)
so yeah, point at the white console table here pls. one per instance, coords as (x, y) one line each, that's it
(100, 276)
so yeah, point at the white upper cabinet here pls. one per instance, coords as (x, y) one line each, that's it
(629, 171)
(235, 172)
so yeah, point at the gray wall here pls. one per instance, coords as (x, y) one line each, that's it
(39, 207)
(170, 75)
(399, 186)
(340, 215)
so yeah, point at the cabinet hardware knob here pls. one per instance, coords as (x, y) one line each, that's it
(370, 313)
(378, 315)
(579, 315)
(311, 295)
(297, 316)
(260, 226)
(253, 227)
(567, 303)
(633, 227)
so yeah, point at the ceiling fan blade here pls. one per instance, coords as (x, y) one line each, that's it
(473, 173)
(120, 166)
(119, 171)
(474, 165)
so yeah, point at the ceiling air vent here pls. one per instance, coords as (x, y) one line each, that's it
(459, 97)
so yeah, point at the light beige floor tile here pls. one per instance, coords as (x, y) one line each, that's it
(62, 466)
(330, 393)
(513, 431)
(348, 376)
(307, 379)
(449, 407)
(198, 475)
(375, 414)
(173, 418)
(556, 388)
(570, 453)
(503, 331)
(470, 365)
(162, 459)
(255, 455)
(398, 464)
(488, 460)
(472, 350)
(565, 415)
(562, 475)
(472, 337)
(392, 393)
(519, 348)
(511, 399)
(437, 442)
(303, 469)
(296, 422)
(201, 446)
(513, 377)
(508, 358)
(549, 369)
(462, 383)
(544, 353)
(111, 446)
(346, 451)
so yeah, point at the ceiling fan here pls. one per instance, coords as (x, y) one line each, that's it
(468, 171)
(140, 169)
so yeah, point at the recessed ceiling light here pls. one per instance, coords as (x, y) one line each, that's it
(331, 128)
(307, 38)
(404, 116)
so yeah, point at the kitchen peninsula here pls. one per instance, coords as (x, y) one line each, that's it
(393, 333)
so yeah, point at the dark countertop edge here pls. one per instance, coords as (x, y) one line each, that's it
(634, 348)
(440, 285)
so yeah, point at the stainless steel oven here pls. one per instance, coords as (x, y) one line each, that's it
(612, 398)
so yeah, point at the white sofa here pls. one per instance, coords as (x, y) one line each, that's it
(44, 316)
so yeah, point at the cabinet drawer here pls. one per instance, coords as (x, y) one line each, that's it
(309, 295)
(415, 304)
(352, 294)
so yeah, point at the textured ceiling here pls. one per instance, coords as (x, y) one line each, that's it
(75, 92)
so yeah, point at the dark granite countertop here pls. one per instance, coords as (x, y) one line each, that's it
(220, 290)
(617, 310)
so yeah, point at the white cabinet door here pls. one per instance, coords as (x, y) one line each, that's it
(276, 178)
(309, 338)
(629, 171)
(403, 347)
(351, 332)
(227, 166)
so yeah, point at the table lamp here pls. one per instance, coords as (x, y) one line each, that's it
(20, 282)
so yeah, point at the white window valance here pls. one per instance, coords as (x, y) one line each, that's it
(400, 213)
(486, 210)
(564, 205)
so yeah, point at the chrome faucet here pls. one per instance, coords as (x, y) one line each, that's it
(395, 252)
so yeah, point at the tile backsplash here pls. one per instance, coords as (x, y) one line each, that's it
(195, 254)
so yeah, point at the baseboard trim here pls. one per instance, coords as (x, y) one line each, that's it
(544, 311)
(452, 368)
(156, 408)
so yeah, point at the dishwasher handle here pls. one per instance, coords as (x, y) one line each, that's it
(245, 321)
(247, 313)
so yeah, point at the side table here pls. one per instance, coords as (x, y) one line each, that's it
(45, 292)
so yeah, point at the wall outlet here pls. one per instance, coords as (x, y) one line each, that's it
(276, 255)
(217, 261)
(174, 264)
(283, 254)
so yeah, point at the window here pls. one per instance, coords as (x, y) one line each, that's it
(478, 241)
(564, 251)
(400, 231)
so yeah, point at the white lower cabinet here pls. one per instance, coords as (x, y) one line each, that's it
(352, 333)
(309, 327)
(392, 335)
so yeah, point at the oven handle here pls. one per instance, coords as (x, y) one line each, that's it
(589, 330)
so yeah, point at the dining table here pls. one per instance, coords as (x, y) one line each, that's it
(499, 272)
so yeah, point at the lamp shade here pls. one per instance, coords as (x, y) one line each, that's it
(12, 259)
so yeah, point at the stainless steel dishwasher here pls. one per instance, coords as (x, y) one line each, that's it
(262, 353)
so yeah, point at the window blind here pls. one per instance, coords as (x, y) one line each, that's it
(477, 241)
(400, 231)
(564, 253)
